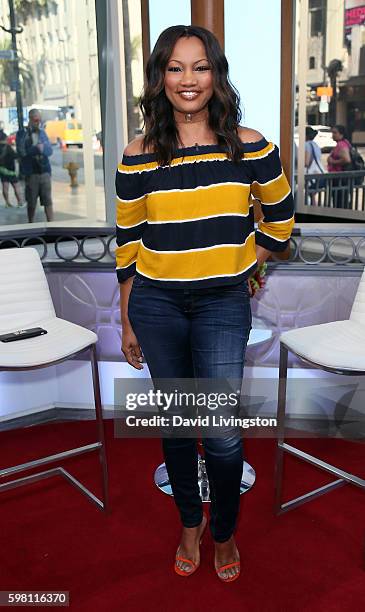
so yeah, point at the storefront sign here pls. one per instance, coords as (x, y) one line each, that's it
(354, 14)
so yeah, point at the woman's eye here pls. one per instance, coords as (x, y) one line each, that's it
(201, 68)
(173, 69)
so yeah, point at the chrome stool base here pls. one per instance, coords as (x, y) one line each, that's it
(162, 481)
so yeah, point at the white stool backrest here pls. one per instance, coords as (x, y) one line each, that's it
(358, 307)
(25, 298)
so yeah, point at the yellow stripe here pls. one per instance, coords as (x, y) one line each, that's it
(280, 231)
(272, 192)
(127, 254)
(202, 263)
(257, 154)
(137, 167)
(175, 162)
(182, 205)
(131, 213)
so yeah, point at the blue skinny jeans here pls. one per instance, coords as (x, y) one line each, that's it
(197, 333)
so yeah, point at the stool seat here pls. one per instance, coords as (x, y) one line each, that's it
(63, 338)
(338, 344)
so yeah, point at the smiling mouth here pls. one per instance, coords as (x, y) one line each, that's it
(189, 95)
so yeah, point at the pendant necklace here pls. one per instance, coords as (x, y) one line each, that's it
(189, 119)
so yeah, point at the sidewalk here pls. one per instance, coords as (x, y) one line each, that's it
(68, 204)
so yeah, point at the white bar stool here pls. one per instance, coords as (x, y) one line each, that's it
(337, 347)
(25, 302)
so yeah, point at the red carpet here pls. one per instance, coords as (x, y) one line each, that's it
(311, 559)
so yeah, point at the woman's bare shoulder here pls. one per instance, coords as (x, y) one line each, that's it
(135, 147)
(249, 135)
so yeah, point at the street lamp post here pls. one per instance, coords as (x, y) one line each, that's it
(14, 31)
(62, 40)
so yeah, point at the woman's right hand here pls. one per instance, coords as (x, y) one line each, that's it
(130, 347)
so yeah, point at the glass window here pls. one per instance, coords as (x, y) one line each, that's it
(59, 75)
(329, 135)
(316, 11)
(133, 63)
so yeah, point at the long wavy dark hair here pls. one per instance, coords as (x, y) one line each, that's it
(161, 133)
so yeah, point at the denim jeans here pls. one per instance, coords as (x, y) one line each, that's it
(197, 333)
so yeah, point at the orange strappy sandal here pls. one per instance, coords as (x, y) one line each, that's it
(228, 566)
(193, 565)
(182, 572)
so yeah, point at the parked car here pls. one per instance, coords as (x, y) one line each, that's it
(66, 133)
(11, 139)
(323, 139)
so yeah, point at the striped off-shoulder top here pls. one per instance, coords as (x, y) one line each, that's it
(192, 222)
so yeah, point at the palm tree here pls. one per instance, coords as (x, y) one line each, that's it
(25, 73)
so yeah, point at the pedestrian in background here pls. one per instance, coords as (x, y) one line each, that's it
(313, 164)
(337, 161)
(8, 174)
(34, 150)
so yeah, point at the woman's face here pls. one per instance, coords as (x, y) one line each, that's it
(336, 135)
(188, 76)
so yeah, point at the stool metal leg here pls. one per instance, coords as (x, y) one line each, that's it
(100, 425)
(282, 447)
(283, 372)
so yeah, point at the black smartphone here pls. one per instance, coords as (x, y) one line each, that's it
(21, 334)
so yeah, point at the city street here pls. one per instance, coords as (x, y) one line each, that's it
(60, 174)
(68, 203)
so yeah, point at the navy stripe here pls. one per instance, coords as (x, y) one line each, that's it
(202, 174)
(125, 273)
(219, 281)
(130, 234)
(129, 186)
(279, 212)
(265, 168)
(198, 234)
(269, 243)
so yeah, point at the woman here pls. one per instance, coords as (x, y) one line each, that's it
(337, 161)
(312, 162)
(8, 173)
(186, 248)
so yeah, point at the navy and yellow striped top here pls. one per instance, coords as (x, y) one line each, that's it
(192, 222)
